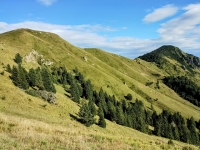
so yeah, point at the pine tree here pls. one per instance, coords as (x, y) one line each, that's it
(47, 81)
(88, 90)
(185, 134)
(192, 128)
(19, 77)
(176, 133)
(102, 101)
(158, 126)
(119, 115)
(86, 117)
(64, 77)
(22, 78)
(38, 80)
(111, 113)
(8, 68)
(32, 77)
(92, 107)
(80, 78)
(18, 58)
(74, 91)
(15, 76)
(101, 122)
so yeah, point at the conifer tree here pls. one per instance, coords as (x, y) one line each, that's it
(15, 76)
(176, 133)
(18, 58)
(32, 77)
(111, 113)
(80, 78)
(102, 101)
(185, 134)
(158, 126)
(192, 128)
(22, 78)
(101, 122)
(38, 80)
(88, 90)
(119, 115)
(86, 117)
(8, 68)
(74, 91)
(92, 107)
(47, 81)
(64, 77)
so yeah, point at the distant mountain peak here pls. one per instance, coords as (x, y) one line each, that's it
(167, 54)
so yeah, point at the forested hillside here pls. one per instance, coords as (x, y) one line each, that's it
(156, 94)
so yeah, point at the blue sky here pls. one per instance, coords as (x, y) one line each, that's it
(126, 27)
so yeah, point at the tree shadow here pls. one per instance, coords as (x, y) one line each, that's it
(74, 117)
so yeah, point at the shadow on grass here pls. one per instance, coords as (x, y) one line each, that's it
(74, 117)
(68, 95)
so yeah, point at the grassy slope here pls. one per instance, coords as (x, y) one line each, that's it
(31, 123)
(104, 69)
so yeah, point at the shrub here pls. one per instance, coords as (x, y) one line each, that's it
(128, 96)
(32, 92)
(170, 142)
(2, 73)
(3, 97)
(149, 83)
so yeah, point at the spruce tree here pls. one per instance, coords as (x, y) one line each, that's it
(176, 133)
(111, 113)
(88, 90)
(39, 80)
(18, 58)
(80, 78)
(47, 81)
(101, 122)
(119, 115)
(15, 76)
(102, 101)
(74, 91)
(32, 77)
(8, 68)
(192, 128)
(86, 117)
(23, 78)
(185, 134)
(92, 107)
(158, 126)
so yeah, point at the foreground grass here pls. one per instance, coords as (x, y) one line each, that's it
(22, 133)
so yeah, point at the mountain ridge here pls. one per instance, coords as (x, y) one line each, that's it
(117, 75)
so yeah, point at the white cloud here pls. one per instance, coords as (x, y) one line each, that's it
(47, 2)
(160, 13)
(182, 31)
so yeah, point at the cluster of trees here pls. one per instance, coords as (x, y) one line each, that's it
(40, 78)
(174, 126)
(184, 87)
(126, 113)
(36, 78)
(78, 87)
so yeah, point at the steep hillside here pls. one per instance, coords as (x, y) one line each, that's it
(117, 76)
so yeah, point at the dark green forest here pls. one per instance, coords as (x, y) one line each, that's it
(184, 87)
